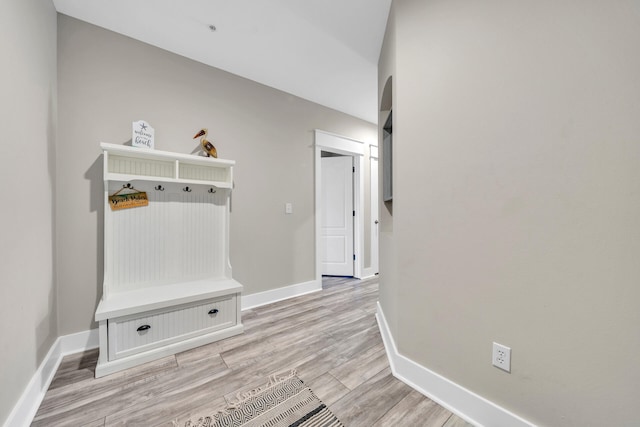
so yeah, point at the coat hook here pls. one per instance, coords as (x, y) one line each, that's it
(159, 188)
(187, 189)
(127, 185)
(212, 191)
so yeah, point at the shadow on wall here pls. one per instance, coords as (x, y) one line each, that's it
(96, 204)
(47, 329)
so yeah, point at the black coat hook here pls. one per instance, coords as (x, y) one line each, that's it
(127, 185)
(159, 188)
(212, 191)
(187, 189)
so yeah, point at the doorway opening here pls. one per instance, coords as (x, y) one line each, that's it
(337, 214)
(337, 147)
(375, 214)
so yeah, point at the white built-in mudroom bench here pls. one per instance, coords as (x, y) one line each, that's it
(167, 279)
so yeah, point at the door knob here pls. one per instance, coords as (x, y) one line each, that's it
(376, 221)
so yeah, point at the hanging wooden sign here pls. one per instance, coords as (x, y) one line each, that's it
(126, 201)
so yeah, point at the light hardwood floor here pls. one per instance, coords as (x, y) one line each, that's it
(330, 338)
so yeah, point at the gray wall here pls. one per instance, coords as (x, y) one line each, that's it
(388, 260)
(28, 117)
(106, 81)
(520, 122)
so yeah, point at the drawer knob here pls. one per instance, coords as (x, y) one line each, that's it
(213, 311)
(143, 328)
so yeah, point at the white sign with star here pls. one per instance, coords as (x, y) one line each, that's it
(142, 135)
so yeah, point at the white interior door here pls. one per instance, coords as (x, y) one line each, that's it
(374, 215)
(337, 216)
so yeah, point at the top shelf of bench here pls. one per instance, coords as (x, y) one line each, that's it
(124, 163)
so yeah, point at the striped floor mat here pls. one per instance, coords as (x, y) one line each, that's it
(283, 402)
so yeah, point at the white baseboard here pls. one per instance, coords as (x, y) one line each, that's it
(28, 404)
(279, 294)
(466, 404)
(368, 273)
(81, 341)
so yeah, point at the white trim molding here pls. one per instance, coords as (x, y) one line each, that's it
(30, 400)
(338, 144)
(368, 273)
(373, 151)
(280, 294)
(466, 404)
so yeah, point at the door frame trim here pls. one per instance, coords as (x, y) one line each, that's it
(372, 270)
(327, 141)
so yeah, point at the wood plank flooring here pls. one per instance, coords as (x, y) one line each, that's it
(330, 337)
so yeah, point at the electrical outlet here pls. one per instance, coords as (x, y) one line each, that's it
(501, 357)
(288, 208)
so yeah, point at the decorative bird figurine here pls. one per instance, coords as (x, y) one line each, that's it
(207, 146)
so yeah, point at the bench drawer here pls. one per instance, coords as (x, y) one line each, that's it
(145, 331)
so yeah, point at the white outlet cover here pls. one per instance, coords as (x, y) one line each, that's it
(501, 357)
(288, 208)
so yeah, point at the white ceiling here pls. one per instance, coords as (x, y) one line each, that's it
(325, 51)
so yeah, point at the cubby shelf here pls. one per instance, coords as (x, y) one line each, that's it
(122, 163)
